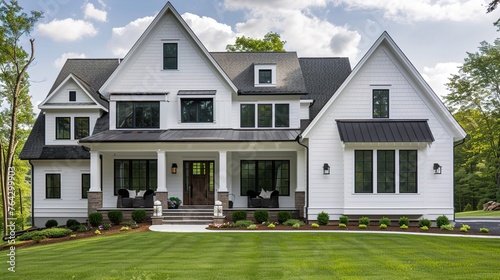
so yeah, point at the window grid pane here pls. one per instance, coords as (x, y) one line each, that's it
(363, 171)
(63, 128)
(170, 56)
(197, 110)
(385, 171)
(138, 114)
(265, 174)
(408, 171)
(52, 185)
(85, 185)
(265, 76)
(265, 115)
(81, 127)
(380, 103)
(247, 112)
(282, 117)
(135, 174)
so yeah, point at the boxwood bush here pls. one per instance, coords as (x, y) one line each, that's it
(72, 222)
(364, 221)
(95, 219)
(404, 221)
(139, 215)
(115, 216)
(49, 232)
(323, 218)
(385, 221)
(442, 221)
(261, 216)
(239, 215)
(424, 223)
(291, 222)
(51, 223)
(344, 220)
(283, 216)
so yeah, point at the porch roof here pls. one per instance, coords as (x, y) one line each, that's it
(194, 135)
(384, 131)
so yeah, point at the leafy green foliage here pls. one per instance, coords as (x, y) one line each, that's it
(385, 221)
(442, 220)
(314, 225)
(468, 207)
(51, 223)
(424, 223)
(139, 215)
(252, 226)
(404, 221)
(46, 233)
(243, 223)
(484, 230)
(239, 215)
(95, 219)
(261, 216)
(296, 225)
(72, 222)
(344, 220)
(271, 43)
(383, 226)
(447, 227)
(291, 222)
(115, 216)
(283, 216)
(364, 221)
(323, 218)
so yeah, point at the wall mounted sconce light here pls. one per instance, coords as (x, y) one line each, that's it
(437, 168)
(326, 169)
(173, 169)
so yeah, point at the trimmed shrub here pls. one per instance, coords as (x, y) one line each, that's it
(243, 223)
(344, 220)
(291, 222)
(442, 221)
(51, 224)
(383, 226)
(385, 221)
(115, 216)
(364, 221)
(403, 227)
(106, 226)
(283, 216)
(446, 227)
(271, 226)
(468, 207)
(404, 221)
(341, 225)
(139, 215)
(72, 222)
(424, 228)
(38, 238)
(239, 215)
(82, 228)
(30, 235)
(323, 218)
(424, 223)
(56, 232)
(261, 216)
(362, 226)
(95, 219)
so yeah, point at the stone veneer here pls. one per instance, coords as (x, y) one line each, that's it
(300, 202)
(94, 200)
(224, 198)
(162, 197)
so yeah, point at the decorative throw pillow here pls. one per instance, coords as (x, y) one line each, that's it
(269, 194)
(141, 193)
(264, 194)
(131, 193)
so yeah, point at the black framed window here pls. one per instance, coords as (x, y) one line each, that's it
(408, 171)
(282, 115)
(170, 56)
(385, 171)
(197, 110)
(247, 112)
(72, 95)
(380, 103)
(81, 127)
(52, 185)
(63, 128)
(265, 115)
(265, 76)
(135, 174)
(266, 175)
(85, 184)
(138, 114)
(363, 161)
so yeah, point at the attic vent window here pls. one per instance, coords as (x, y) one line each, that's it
(72, 95)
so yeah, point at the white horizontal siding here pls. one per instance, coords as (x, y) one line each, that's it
(62, 95)
(50, 124)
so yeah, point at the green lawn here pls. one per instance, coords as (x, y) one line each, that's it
(260, 255)
(478, 213)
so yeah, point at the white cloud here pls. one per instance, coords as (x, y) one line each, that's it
(59, 62)
(438, 76)
(92, 12)
(423, 10)
(274, 4)
(66, 29)
(215, 36)
(123, 38)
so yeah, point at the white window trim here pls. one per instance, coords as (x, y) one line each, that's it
(174, 41)
(273, 115)
(258, 67)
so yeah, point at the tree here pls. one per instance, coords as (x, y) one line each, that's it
(475, 97)
(16, 115)
(271, 43)
(491, 7)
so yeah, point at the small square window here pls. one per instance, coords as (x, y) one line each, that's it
(72, 95)
(265, 76)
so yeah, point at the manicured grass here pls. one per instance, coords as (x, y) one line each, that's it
(478, 213)
(260, 255)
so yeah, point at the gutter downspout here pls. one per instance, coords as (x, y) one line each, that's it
(32, 194)
(307, 177)
(458, 143)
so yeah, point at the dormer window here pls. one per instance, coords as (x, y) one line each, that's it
(72, 95)
(265, 75)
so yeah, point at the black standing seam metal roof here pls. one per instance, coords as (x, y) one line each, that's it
(384, 131)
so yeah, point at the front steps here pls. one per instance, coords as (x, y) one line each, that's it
(189, 215)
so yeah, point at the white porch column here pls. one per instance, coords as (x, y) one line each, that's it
(222, 171)
(162, 171)
(95, 170)
(301, 171)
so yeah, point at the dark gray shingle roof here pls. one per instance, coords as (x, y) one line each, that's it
(384, 131)
(239, 66)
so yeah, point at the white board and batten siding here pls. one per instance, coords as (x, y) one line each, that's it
(334, 193)
(75, 207)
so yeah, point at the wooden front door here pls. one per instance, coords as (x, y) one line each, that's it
(198, 183)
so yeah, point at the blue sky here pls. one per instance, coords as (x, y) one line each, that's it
(434, 34)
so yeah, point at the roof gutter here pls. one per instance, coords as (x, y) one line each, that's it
(299, 138)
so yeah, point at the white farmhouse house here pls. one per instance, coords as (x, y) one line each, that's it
(173, 118)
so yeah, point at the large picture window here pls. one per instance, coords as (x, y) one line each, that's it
(85, 185)
(81, 127)
(408, 171)
(135, 174)
(170, 60)
(137, 114)
(363, 171)
(380, 103)
(63, 128)
(268, 175)
(52, 185)
(197, 110)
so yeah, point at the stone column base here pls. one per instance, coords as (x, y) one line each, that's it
(162, 197)
(158, 220)
(224, 198)
(300, 202)
(219, 220)
(94, 200)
